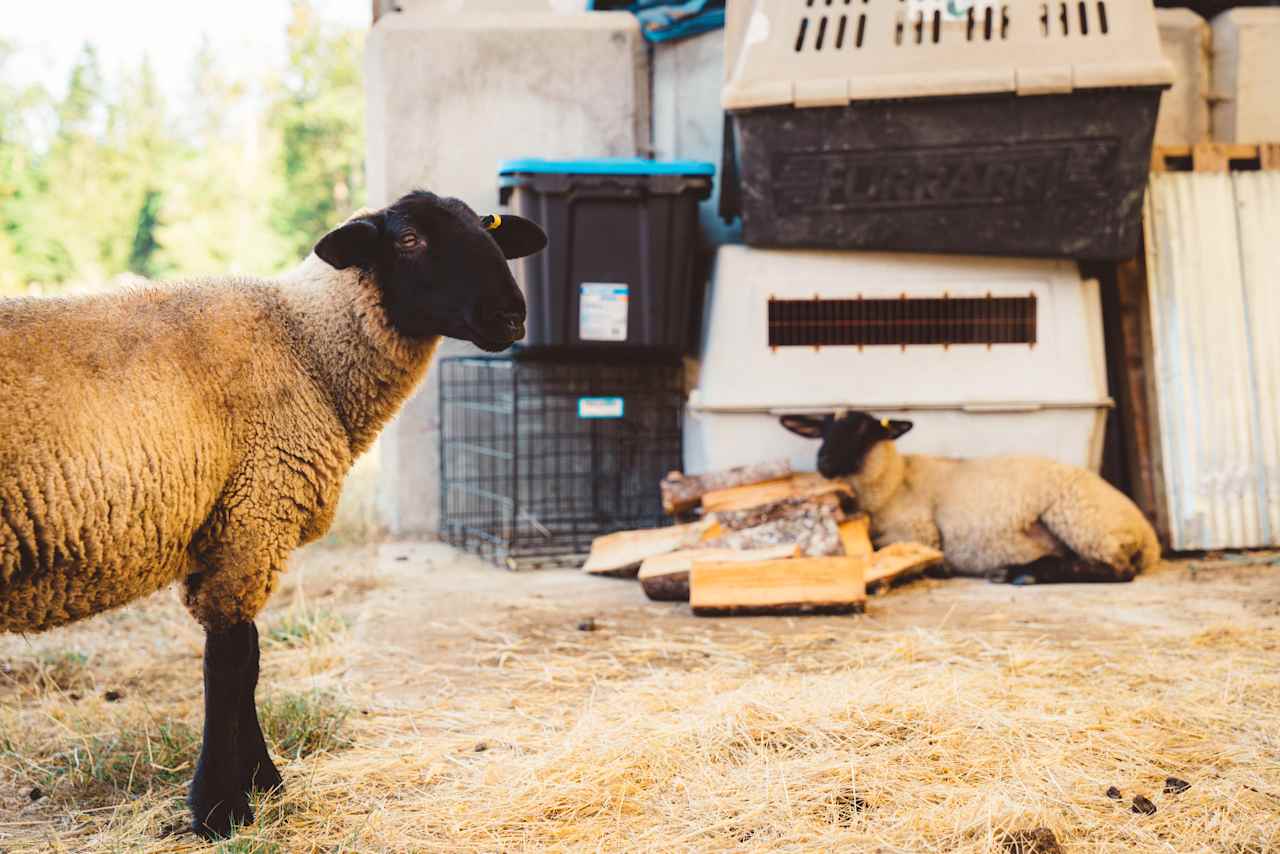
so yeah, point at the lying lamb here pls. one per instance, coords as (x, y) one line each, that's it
(1002, 517)
(201, 431)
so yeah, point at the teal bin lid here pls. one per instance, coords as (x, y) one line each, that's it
(606, 166)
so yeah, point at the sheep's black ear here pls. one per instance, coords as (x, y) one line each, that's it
(515, 235)
(896, 428)
(809, 426)
(352, 244)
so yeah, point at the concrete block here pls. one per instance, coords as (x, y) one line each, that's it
(1246, 76)
(1186, 39)
(450, 96)
(688, 122)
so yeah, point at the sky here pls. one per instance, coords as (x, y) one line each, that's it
(50, 34)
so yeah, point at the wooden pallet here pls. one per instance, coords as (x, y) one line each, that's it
(1215, 157)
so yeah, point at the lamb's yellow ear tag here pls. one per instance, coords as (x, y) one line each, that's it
(492, 222)
(884, 422)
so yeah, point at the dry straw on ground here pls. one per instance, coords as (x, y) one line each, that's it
(661, 733)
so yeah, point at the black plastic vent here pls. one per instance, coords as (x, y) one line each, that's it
(1074, 18)
(835, 31)
(902, 322)
(988, 22)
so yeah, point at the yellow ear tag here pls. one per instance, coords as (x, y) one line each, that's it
(884, 422)
(493, 222)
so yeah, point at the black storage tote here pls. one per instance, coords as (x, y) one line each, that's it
(619, 270)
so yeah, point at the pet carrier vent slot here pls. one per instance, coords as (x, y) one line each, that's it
(902, 322)
(984, 25)
(1068, 15)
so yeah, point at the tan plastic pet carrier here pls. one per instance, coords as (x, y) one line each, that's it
(1015, 127)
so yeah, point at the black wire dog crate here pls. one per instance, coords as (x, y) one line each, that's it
(540, 455)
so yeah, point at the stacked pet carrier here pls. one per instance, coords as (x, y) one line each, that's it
(977, 127)
(546, 449)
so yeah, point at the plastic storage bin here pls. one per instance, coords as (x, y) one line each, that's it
(619, 269)
(539, 456)
(1021, 127)
(987, 356)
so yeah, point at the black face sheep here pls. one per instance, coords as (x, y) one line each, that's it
(1002, 517)
(201, 431)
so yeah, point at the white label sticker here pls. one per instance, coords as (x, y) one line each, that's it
(602, 311)
(600, 407)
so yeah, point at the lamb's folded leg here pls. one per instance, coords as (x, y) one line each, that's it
(218, 800)
(1058, 569)
(257, 772)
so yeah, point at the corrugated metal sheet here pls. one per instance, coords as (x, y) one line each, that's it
(1214, 288)
(1258, 217)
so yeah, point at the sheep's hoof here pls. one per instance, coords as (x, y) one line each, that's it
(221, 819)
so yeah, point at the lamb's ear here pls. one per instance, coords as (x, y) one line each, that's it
(896, 428)
(809, 426)
(515, 235)
(352, 244)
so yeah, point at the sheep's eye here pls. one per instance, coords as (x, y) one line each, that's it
(409, 240)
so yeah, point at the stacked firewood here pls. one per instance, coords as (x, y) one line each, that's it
(766, 540)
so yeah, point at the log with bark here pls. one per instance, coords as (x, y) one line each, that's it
(665, 578)
(806, 485)
(682, 492)
(814, 530)
(830, 585)
(621, 554)
(787, 508)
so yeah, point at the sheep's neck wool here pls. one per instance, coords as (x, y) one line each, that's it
(368, 367)
(882, 475)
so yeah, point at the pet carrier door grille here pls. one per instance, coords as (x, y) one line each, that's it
(903, 321)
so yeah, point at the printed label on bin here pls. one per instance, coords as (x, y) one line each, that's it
(602, 311)
(600, 407)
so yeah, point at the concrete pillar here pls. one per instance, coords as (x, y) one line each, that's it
(450, 96)
(1186, 39)
(688, 122)
(1246, 76)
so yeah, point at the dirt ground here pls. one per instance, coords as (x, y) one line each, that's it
(467, 708)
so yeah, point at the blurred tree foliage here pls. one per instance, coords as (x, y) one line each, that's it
(244, 177)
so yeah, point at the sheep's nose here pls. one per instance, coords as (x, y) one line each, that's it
(512, 323)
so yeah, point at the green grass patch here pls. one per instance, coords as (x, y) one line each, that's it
(102, 761)
(298, 725)
(101, 766)
(305, 628)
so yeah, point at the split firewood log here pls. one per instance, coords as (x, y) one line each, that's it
(665, 578)
(682, 492)
(787, 508)
(827, 585)
(807, 485)
(899, 562)
(855, 536)
(814, 530)
(621, 554)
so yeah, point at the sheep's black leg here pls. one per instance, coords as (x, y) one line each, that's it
(257, 772)
(1061, 569)
(217, 797)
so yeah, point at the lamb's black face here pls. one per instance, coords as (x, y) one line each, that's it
(847, 440)
(441, 268)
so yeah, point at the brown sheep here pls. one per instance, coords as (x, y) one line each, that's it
(199, 432)
(1020, 518)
